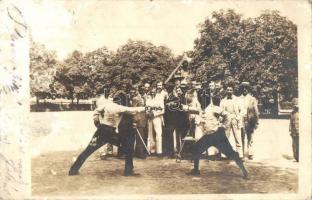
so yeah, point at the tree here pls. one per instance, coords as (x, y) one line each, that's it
(99, 61)
(42, 69)
(141, 61)
(260, 50)
(73, 74)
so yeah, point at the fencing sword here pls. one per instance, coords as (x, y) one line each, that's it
(138, 132)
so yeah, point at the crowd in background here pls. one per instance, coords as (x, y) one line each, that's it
(161, 131)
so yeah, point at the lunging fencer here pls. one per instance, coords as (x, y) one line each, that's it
(214, 135)
(107, 118)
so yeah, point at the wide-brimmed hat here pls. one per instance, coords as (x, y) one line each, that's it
(245, 83)
(147, 85)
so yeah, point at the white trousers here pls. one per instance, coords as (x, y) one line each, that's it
(156, 126)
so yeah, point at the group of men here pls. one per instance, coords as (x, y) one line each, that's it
(154, 120)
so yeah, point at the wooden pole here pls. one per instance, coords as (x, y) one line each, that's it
(175, 70)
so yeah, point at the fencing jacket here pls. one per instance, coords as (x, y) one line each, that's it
(110, 113)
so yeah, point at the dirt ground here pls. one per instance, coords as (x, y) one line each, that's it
(62, 137)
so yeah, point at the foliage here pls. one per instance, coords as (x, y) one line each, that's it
(260, 50)
(141, 61)
(42, 62)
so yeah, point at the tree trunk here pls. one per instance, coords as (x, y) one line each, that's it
(37, 100)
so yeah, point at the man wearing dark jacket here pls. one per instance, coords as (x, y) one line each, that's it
(140, 123)
(175, 120)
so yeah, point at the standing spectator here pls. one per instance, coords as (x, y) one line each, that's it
(175, 120)
(182, 119)
(161, 94)
(170, 120)
(294, 129)
(155, 123)
(192, 101)
(230, 104)
(120, 97)
(140, 123)
(203, 94)
(250, 116)
(145, 91)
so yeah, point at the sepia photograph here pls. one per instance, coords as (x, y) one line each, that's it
(160, 97)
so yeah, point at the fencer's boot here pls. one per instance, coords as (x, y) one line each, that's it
(130, 172)
(73, 172)
(74, 169)
(195, 171)
(240, 164)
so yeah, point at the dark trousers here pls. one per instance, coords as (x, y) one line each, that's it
(106, 134)
(140, 150)
(168, 142)
(219, 140)
(295, 147)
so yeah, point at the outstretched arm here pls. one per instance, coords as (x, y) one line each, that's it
(191, 110)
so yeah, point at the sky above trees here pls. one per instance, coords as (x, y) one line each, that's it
(64, 26)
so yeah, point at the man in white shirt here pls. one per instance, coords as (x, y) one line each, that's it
(230, 104)
(250, 117)
(107, 118)
(214, 135)
(155, 121)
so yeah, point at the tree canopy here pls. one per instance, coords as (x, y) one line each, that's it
(261, 50)
(43, 63)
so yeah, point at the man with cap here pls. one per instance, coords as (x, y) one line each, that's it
(107, 118)
(184, 87)
(250, 116)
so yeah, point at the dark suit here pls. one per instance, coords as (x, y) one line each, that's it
(140, 120)
(175, 120)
